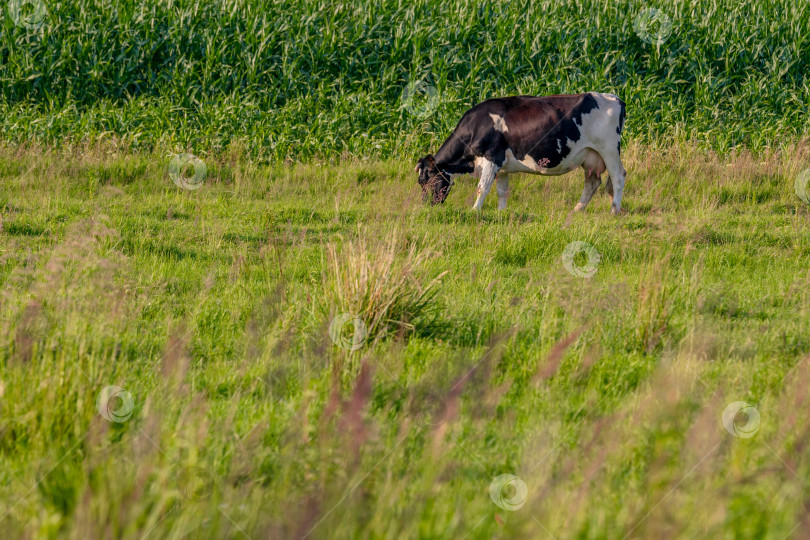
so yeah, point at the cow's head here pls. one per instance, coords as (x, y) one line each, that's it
(435, 183)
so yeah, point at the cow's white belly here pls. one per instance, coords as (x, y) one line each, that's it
(528, 165)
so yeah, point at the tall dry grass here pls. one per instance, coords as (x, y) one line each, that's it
(384, 280)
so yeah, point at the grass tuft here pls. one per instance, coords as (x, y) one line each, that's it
(383, 281)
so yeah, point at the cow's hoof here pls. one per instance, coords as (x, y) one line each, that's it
(618, 212)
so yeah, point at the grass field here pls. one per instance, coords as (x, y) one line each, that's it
(285, 342)
(239, 414)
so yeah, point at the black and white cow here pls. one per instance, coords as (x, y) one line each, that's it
(549, 135)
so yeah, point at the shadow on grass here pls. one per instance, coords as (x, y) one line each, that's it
(24, 229)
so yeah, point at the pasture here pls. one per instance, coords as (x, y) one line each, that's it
(225, 311)
(241, 416)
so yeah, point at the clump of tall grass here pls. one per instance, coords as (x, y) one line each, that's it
(383, 281)
(654, 306)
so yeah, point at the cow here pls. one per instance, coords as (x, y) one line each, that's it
(548, 135)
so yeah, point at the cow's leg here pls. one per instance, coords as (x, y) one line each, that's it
(488, 172)
(593, 167)
(617, 175)
(592, 183)
(503, 189)
(609, 189)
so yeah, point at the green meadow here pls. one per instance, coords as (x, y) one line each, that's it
(476, 354)
(286, 342)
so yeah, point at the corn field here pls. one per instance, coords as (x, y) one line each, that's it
(304, 79)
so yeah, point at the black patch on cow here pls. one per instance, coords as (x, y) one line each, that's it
(455, 156)
(543, 127)
(621, 126)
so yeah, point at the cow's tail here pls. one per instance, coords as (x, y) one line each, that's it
(622, 115)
